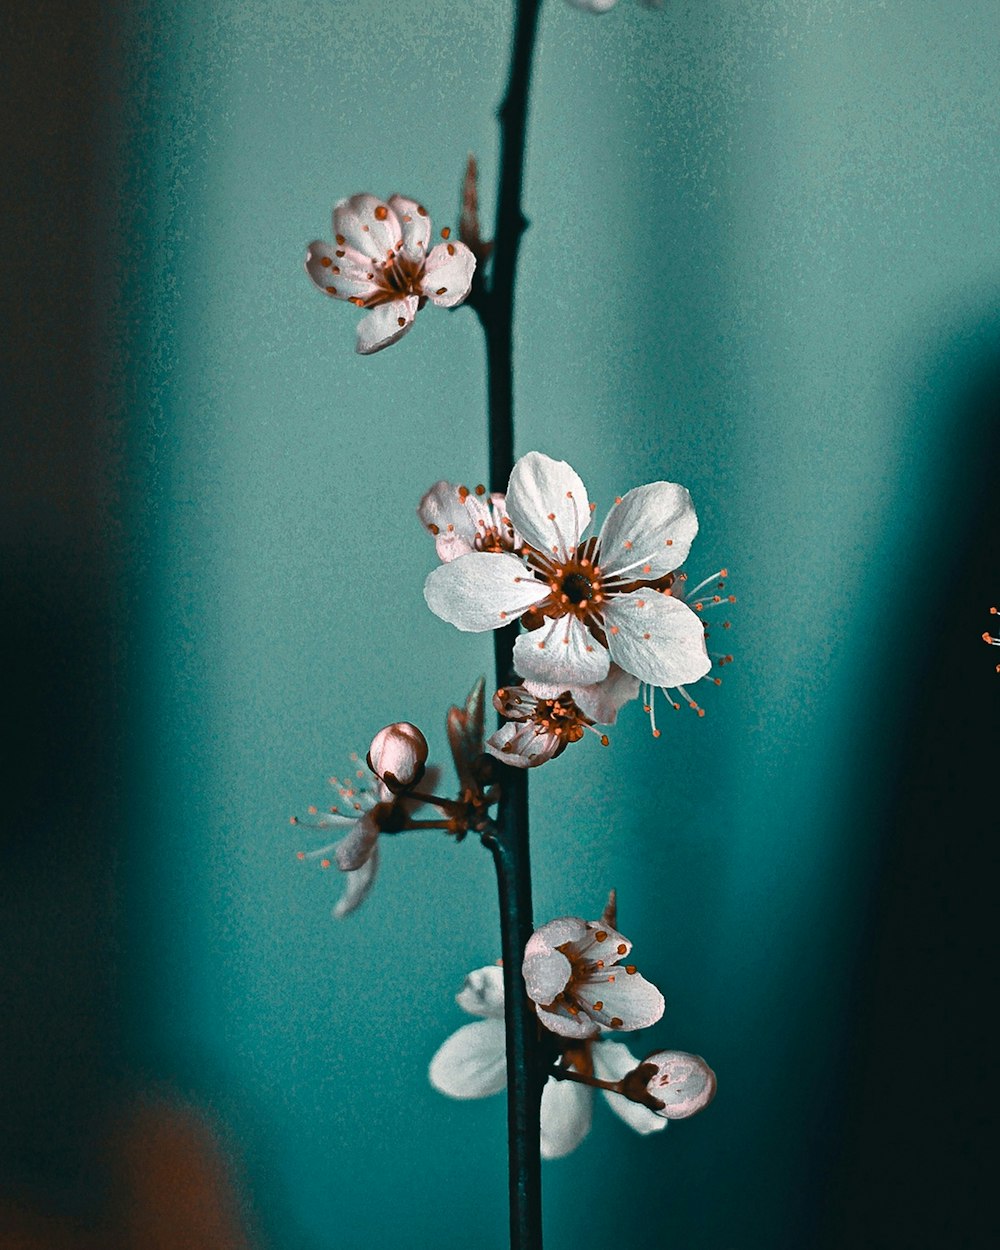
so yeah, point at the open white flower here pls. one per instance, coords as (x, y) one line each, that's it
(585, 601)
(573, 976)
(472, 1064)
(380, 260)
(542, 720)
(464, 520)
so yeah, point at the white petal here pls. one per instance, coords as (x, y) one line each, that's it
(555, 934)
(546, 975)
(483, 590)
(593, 6)
(602, 701)
(548, 503)
(656, 638)
(472, 1062)
(399, 751)
(618, 999)
(335, 275)
(562, 1021)
(566, 1110)
(354, 849)
(367, 224)
(561, 653)
(685, 1083)
(414, 226)
(649, 533)
(385, 325)
(448, 274)
(453, 517)
(519, 744)
(482, 993)
(612, 1061)
(600, 942)
(357, 885)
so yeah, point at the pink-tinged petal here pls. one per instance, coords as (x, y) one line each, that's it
(335, 274)
(612, 1061)
(649, 533)
(399, 751)
(656, 638)
(357, 885)
(472, 1063)
(385, 325)
(567, 1021)
(484, 590)
(414, 226)
(561, 653)
(367, 224)
(516, 702)
(546, 976)
(602, 701)
(355, 848)
(566, 1111)
(452, 517)
(520, 745)
(619, 999)
(548, 504)
(482, 993)
(684, 1083)
(448, 272)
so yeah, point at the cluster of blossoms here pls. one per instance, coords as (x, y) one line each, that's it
(606, 616)
(582, 994)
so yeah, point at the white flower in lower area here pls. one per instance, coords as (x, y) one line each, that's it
(585, 601)
(544, 720)
(464, 520)
(472, 1064)
(379, 260)
(573, 976)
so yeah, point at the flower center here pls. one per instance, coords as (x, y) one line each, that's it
(577, 587)
(396, 277)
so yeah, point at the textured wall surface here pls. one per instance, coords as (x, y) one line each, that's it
(763, 261)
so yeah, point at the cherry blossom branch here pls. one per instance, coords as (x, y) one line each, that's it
(508, 839)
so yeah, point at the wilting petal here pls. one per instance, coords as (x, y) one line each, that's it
(684, 1083)
(519, 744)
(385, 325)
(471, 1063)
(448, 274)
(354, 849)
(357, 885)
(482, 993)
(656, 638)
(414, 226)
(612, 1061)
(619, 999)
(602, 701)
(483, 590)
(561, 653)
(566, 1110)
(368, 224)
(548, 503)
(336, 275)
(649, 533)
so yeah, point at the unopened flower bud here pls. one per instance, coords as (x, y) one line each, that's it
(398, 754)
(684, 1084)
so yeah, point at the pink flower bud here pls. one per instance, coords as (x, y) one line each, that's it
(683, 1083)
(398, 754)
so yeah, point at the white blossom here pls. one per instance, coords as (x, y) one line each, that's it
(380, 261)
(463, 520)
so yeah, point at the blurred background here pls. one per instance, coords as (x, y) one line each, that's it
(763, 261)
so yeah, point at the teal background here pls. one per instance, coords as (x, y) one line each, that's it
(763, 261)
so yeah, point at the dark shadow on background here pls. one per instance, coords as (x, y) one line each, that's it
(911, 1109)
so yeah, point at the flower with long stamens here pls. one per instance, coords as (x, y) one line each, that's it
(380, 261)
(585, 601)
(397, 753)
(463, 520)
(988, 637)
(573, 975)
(471, 1063)
(542, 721)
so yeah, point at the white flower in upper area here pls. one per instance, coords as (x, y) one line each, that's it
(573, 976)
(380, 261)
(585, 601)
(397, 752)
(463, 520)
(472, 1064)
(683, 1084)
(544, 720)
